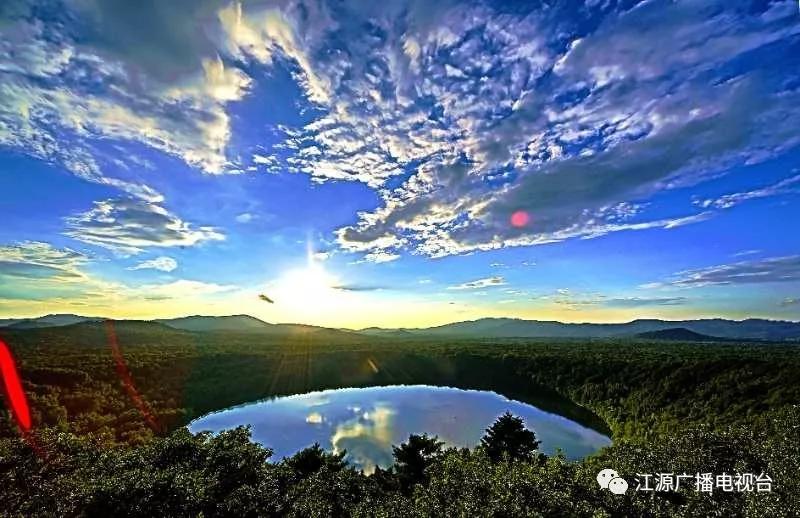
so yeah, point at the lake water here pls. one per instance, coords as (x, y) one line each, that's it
(368, 421)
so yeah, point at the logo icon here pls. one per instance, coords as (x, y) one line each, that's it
(610, 479)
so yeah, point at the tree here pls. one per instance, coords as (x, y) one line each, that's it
(412, 457)
(310, 460)
(508, 437)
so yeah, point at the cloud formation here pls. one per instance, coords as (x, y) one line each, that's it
(479, 283)
(581, 301)
(637, 302)
(144, 75)
(358, 287)
(245, 217)
(575, 132)
(180, 290)
(164, 264)
(129, 225)
(772, 270)
(458, 116)
(367, 438)
(788, 186)
(37, 261)
(32, 272)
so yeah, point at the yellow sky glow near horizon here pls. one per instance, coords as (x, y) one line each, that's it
(347, 310)
(314, 296)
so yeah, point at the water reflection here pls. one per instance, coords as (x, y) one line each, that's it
(367, 422)
(367, 438)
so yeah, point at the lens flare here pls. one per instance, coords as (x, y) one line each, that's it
(15, 395)
(520, 219)
(127, 381)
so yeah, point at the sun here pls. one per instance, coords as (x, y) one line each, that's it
(309, 288)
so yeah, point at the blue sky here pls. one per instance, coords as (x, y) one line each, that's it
(401, 163)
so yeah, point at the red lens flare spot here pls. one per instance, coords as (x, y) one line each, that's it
(520, 219)
(13, 389)
(127, 381)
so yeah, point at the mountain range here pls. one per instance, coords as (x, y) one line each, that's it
(46, 321)
(679, 334)
(687, 330)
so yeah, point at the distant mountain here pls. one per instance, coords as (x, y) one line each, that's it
(230, 323)
(379, 331)
(697, 330)
(8, 321)
(679, 334)
(125, 326)
(29, 324)
(247, 324)
(46, 321)
(751, 329)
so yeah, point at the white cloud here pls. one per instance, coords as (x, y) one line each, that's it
(636, 302)
(36, 273)
(366, 438)
(582, 152)
(380, 256)
(487, 282)
(457, 115)
(58, 119)
(314, 418)
(245, 217)
(269, 163)
(164, 264)
(177, 290)
(130, 225)
(155, 77)
(761, 271)
(36, 261)
(99, 292)
(787, 186)
(260, 33)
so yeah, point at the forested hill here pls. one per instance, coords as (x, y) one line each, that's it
(750, 329)
(679, 334)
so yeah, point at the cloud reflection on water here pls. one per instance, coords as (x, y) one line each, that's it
(367, 422)
(314, 418)
(367, 438)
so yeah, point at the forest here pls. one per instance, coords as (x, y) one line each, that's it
(669, 407)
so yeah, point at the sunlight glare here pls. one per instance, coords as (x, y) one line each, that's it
(311, 288)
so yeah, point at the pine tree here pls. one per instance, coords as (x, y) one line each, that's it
(412, 457)
(508, 437)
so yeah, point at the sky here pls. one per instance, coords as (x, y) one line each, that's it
(401, 163)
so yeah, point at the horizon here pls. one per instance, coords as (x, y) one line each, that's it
(95, 317)
(401, 166)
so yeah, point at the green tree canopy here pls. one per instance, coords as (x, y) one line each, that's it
(412, 457)
(508, 437)
(308, 461)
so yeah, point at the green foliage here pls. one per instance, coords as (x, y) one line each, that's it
(311, 460)
(507, 438)
(413, 457)
(671, 408)
(227, 475)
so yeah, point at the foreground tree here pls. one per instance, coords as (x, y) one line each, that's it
(310, 460)
(413, 457)
(508, 437)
